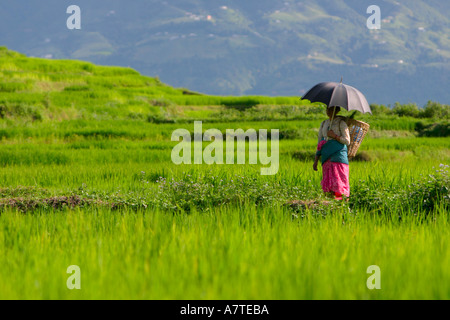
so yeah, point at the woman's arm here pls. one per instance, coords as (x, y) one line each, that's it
(344, 138)
(341, 133)
(320, 136)
(316, 162)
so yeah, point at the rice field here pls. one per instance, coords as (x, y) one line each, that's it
(141, 227)
(87, 180)
(227, 253)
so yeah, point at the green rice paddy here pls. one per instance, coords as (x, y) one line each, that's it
(87, 179)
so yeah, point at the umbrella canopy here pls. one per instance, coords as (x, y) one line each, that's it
(338, 94)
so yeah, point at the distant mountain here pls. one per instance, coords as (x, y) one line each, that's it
(251, 47)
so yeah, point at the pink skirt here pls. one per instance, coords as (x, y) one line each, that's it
(335, 178)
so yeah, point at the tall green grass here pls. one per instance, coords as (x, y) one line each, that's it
(140, 128)
(229, 253)
(145, 228)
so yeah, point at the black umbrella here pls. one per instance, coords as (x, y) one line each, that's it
(338, 94)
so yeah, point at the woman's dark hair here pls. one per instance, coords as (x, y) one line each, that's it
(337, 108)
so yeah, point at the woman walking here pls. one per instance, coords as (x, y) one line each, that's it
(334, 137)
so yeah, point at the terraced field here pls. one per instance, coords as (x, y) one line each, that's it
(87, 179)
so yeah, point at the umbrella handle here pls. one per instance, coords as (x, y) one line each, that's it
(329, 127)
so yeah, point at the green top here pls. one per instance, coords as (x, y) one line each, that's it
(334, 151)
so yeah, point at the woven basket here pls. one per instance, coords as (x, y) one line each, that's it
(358, 131)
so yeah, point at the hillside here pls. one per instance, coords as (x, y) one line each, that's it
(277, 48)
(37, 89)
